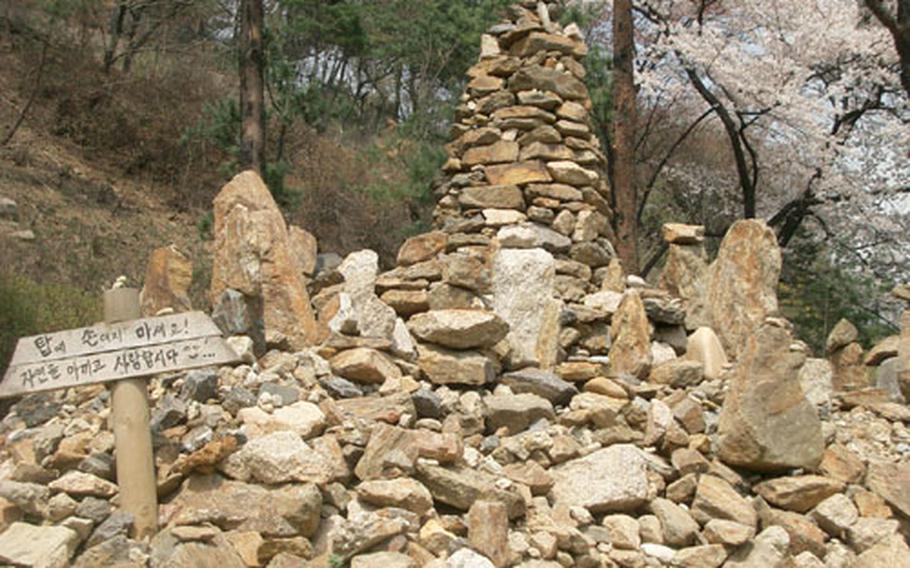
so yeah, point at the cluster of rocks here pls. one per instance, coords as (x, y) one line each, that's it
(409, 434)
(335, 455)
(500, 398)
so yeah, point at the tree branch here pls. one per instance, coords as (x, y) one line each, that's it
(654, 175)
(742, 169)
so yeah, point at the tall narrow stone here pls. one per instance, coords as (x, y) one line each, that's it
(253, 255)
(685, 275)
(631, 333)
(523, 288)
(742, 287)
(488, 531)
(167, 282)
(374, 318)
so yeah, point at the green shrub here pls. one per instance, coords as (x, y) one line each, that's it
(204, 226)
(28, 308)
(416, 162)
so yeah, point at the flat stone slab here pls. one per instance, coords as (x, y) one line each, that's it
(608, 480)
(28, 545)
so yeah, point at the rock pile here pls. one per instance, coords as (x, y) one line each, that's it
(284, 462)
(525, 173)
(499, 398)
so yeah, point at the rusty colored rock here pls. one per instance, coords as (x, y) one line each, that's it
(631, 332)
(167, 282)
(422, 247)
(253, 255)
(742, 285)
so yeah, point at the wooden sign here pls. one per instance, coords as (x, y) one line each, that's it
(108, 352)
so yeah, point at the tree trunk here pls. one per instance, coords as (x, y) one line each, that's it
(115, 32)
(623, 140)
(252, 95)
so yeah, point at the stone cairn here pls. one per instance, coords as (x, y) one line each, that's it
(504, 396)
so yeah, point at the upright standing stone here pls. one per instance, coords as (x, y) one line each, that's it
(523, 288)
(167, 282)
(846, 356)
(766, 423)
(685, 275)
(742, 286)
(374, 318)
(849, 371)
(253, 255)
(631, 333)
(305, 249)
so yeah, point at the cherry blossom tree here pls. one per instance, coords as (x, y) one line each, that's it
(808, 96)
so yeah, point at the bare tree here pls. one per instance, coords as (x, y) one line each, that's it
(625, 195)
(134, 25)
(252, 92)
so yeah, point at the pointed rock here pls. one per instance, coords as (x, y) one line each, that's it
(742, 290)
(631, 333)
(253, 255)
(167, 282)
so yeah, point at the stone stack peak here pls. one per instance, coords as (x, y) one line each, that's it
(525, 166)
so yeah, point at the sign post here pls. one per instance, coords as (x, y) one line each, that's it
(132, 436)
(127, 350)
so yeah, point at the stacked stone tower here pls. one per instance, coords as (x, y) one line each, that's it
(524, 164)
(522, 216)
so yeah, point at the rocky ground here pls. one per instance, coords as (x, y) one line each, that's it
(505, 396)
(358, 452)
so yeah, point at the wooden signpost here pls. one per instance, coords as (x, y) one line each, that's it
(123, 349)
